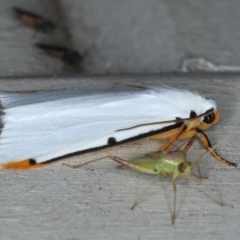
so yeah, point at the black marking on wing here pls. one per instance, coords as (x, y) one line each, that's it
(111, 141)
(32, 161)
(192, 114)
(1, 109)
(140, 136)
(1, 114)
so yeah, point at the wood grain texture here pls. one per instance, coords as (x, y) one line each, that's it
(93, 202)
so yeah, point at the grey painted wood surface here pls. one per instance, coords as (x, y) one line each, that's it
(121, 36)
(93, 202)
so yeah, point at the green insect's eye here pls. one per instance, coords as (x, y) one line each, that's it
(181, 167)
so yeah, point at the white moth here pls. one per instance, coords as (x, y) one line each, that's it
(42, 126)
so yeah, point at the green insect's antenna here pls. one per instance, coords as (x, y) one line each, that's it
(77, 165)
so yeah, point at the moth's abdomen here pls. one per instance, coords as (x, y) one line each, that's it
(21, 165)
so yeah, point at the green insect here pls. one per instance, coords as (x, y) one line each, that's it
(162, 163)
(173, 163)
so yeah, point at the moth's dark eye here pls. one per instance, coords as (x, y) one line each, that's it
(209, 118)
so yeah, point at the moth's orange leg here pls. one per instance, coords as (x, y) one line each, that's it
(169, 134)
(172, 135)
(203, 137)
(208, 145)
(21, 165)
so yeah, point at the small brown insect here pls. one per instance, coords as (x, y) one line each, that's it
(33, 20)
(67, 55)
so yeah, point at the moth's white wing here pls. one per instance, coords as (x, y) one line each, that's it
(46, 125)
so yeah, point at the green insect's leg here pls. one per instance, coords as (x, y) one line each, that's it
(144, 193)
(174, 200)
(200, 176)
(127, 164)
